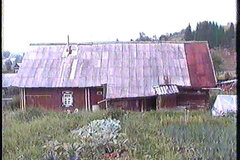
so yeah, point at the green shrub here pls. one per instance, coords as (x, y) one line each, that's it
(14, 104)
(115, 113)
(93, 141)
(55, 150)
(212, 99)
(30, 113)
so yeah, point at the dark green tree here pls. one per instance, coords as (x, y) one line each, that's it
(231, 31)
(221, 36)
(163, 38)
(188, 36)
(214, 34)
(143, 37)
(229, 36)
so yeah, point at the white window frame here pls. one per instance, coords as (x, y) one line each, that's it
(99, 92)
(67, 99)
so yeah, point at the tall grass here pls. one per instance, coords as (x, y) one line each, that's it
(152, 135)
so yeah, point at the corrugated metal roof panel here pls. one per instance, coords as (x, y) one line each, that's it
(200, 66)
(165, 89)
(128, 69)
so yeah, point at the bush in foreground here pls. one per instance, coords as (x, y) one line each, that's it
(98, 139)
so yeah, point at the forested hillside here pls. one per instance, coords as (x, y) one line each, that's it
(216, 35)
(221, 40)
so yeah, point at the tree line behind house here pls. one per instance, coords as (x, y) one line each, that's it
(216, 35)
(221, 40)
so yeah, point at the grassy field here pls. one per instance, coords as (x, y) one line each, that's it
(151, 135)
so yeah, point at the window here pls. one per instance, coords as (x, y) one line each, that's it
(67, 99)
(99, 92)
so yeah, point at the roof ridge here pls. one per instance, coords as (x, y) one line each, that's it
(116, 42)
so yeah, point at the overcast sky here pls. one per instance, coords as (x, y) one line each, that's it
(43, 21)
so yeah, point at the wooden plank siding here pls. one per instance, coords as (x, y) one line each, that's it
(192, 99)
(134, 104)
(51, 98)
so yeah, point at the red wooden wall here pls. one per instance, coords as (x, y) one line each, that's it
(134, 104)
(51, 98)
(94, 97)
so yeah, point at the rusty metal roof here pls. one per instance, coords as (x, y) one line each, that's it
(7, 79)
(129, 69)
(200, 65)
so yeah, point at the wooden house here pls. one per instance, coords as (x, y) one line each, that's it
(132, 75)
